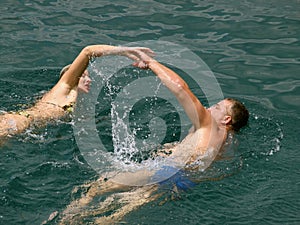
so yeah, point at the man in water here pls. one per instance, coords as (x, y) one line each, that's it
(61, 98)
(196, 151)
(210, 126)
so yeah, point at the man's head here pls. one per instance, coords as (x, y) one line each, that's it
(230, 113)
(239, 114)
(84, 81)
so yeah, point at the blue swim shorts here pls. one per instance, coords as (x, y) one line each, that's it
(170, 176)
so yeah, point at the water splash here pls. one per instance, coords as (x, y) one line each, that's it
(128, 151)
(123, 139)
(273, 134)
(262, 138)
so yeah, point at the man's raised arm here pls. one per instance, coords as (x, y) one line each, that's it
(196, 112)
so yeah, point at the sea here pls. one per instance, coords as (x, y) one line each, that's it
(250, 47)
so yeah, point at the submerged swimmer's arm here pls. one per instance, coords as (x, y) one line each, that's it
(79, 65)
(71, 77)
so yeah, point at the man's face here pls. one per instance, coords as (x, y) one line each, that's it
(84, 82)
(221, 111)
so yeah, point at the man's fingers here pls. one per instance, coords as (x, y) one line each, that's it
(134, 57)
(140, 55)
(140, 64)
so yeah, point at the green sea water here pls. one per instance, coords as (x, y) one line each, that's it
(253, 49)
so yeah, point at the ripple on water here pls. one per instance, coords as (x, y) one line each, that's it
(253, 46)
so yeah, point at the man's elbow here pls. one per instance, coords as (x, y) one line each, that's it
(180, 88)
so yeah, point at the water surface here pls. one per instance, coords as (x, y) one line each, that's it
(251, 46)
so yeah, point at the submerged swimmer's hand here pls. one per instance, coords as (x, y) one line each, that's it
(142, 60)
(134, 52)
(140, 55)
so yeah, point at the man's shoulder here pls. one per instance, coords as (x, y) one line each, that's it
(207, 135)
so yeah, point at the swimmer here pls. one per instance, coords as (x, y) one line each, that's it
(211, 127)
(60, 100)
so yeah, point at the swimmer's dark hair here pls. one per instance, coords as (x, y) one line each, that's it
(63, 70)
(239, 114)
